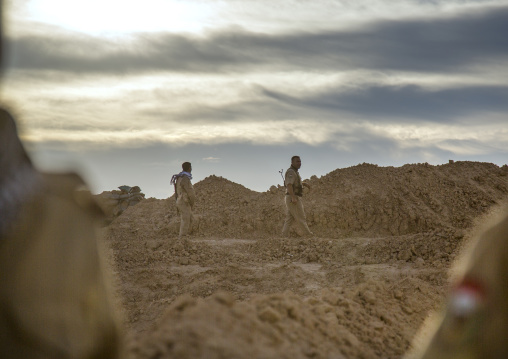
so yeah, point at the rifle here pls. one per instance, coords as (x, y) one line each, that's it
(283, 182)
(173, 181)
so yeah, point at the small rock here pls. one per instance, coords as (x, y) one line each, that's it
(269, 315)
(407, 310)
(183, 302)
(351, 339)
(224, 298)
(404, 255)
(369, 297)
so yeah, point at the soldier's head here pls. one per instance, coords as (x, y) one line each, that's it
(187, 167)
(296, 162)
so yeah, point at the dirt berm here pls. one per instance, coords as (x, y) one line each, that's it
(386, 239)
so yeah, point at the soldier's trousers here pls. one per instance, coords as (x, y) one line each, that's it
(295, 214)
(185, 217)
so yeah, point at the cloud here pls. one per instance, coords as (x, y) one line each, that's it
(174, 134)
(402, 102)
(313, 116)
(445, 44)
(178, 93)
(395, 140)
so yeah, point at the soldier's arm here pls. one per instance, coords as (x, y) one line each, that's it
(292, 193)
(290, 179)
(187, 186)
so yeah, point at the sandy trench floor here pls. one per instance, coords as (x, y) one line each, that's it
(387, 299)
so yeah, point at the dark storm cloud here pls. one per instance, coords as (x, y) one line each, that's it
(404, 101)
(436, 45)
(242, 111)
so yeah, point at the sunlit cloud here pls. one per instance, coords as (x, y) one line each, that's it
(121, 16)
(462, 140)
(195, 16)
(269, 132)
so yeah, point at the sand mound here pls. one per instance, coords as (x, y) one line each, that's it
(115, 202)
(363, 200)
(237, 290)
(337, 323)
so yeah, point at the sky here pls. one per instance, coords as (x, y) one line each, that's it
(125, 91)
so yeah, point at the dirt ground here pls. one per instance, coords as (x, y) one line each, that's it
(386, 238)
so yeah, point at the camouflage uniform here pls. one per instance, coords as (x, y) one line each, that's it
(294, 212)
(185, 203)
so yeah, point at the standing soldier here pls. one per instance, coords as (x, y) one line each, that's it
(185, 197)
(294, 192)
